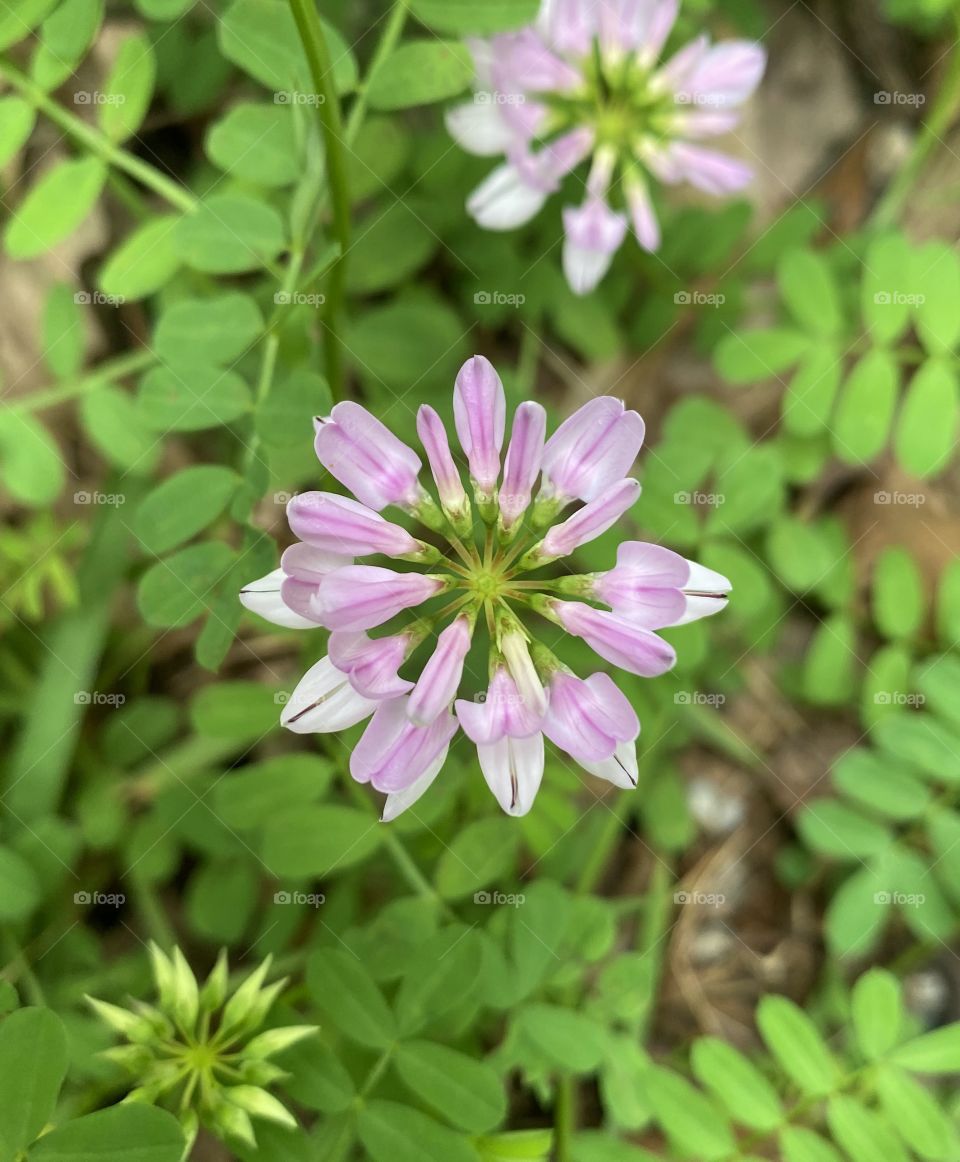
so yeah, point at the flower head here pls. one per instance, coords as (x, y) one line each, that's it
(199, 1050)
(461, 649)
(587, 81)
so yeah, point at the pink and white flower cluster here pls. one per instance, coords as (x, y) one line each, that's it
(587, 82)
(475, 571)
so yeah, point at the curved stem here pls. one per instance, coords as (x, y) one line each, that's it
(107, 372)
(945, 109)
(99, 145)
(328, 110)
(391, 34)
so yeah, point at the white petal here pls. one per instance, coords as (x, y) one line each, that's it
(621, 768)
(513, 768)
(504, 200)
(704, 580)
(584, 268)
(324, 701)
(263, 598)
(478, 128)
(400, 801)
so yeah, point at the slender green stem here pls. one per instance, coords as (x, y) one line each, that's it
(564, 1117)
(391, 34)
(328, 110)
(100, 146)
(107, 372)
(17, 957)
(942, 115)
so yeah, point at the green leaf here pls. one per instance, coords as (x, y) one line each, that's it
(936, 277)
(260, 36)
(828, 671)
(927, 427)
(864, 415)
(834, 829)
(879, 785)
(229, 234)
(886, 683)
(936, 1052)
(855, 919)
(33, 1064)
(19, 889)
(388, 342)
(220, 899)
(799, 553)
(395, 1133)
(285, 418)
(737, 1084)
(318, 1079)
(948, 603)
(795, 1042)
(144, 262)
(187, 397)
(63, 331)
(466, 1092)
(885, 302)
(349, 999)
(899, 604)
(753, 356)
(17, 20)
(30, 465)
(55, 207)
(861, 1133)
(66, 35)
(136, 1132)
(938, 683)
(388, 249)
(801, 1145)
(215, 330)
(475, 17)
(810, 291)
(565, 1038)
(129, 88)
(241, 711)
(248, 798)
(476, 857)
(813, 389)
(175, 591)
(256, 143)
(420, 72)
(877, 1010)
(17, 118)
(440, 978)
(183, 505)
(115, 425)
(691, 1121)
(922, 742)
(917, 1116)
(318, 841)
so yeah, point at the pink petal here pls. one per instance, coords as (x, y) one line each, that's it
(367, 458)
(393, 753)
(437, 685)
(592, 449)
(588, 719)
(372, 664)
(618, 641)
(591, 521)
(500, 713)
(433, 436)
(522, 464)
(338, 524)
(365, 596)
(593, 235)
(480, 413)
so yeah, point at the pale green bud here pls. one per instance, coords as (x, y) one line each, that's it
(260, 1104)
(186, 997)
(122, 1021)
(230, 1121)
(238, 1008)
(214, 991)
(261, 1072)
(164, 975)
(276, 1040)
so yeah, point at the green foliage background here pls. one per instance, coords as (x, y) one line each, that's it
(487, 989)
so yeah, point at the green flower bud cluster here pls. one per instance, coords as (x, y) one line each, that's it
(198, 1052)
